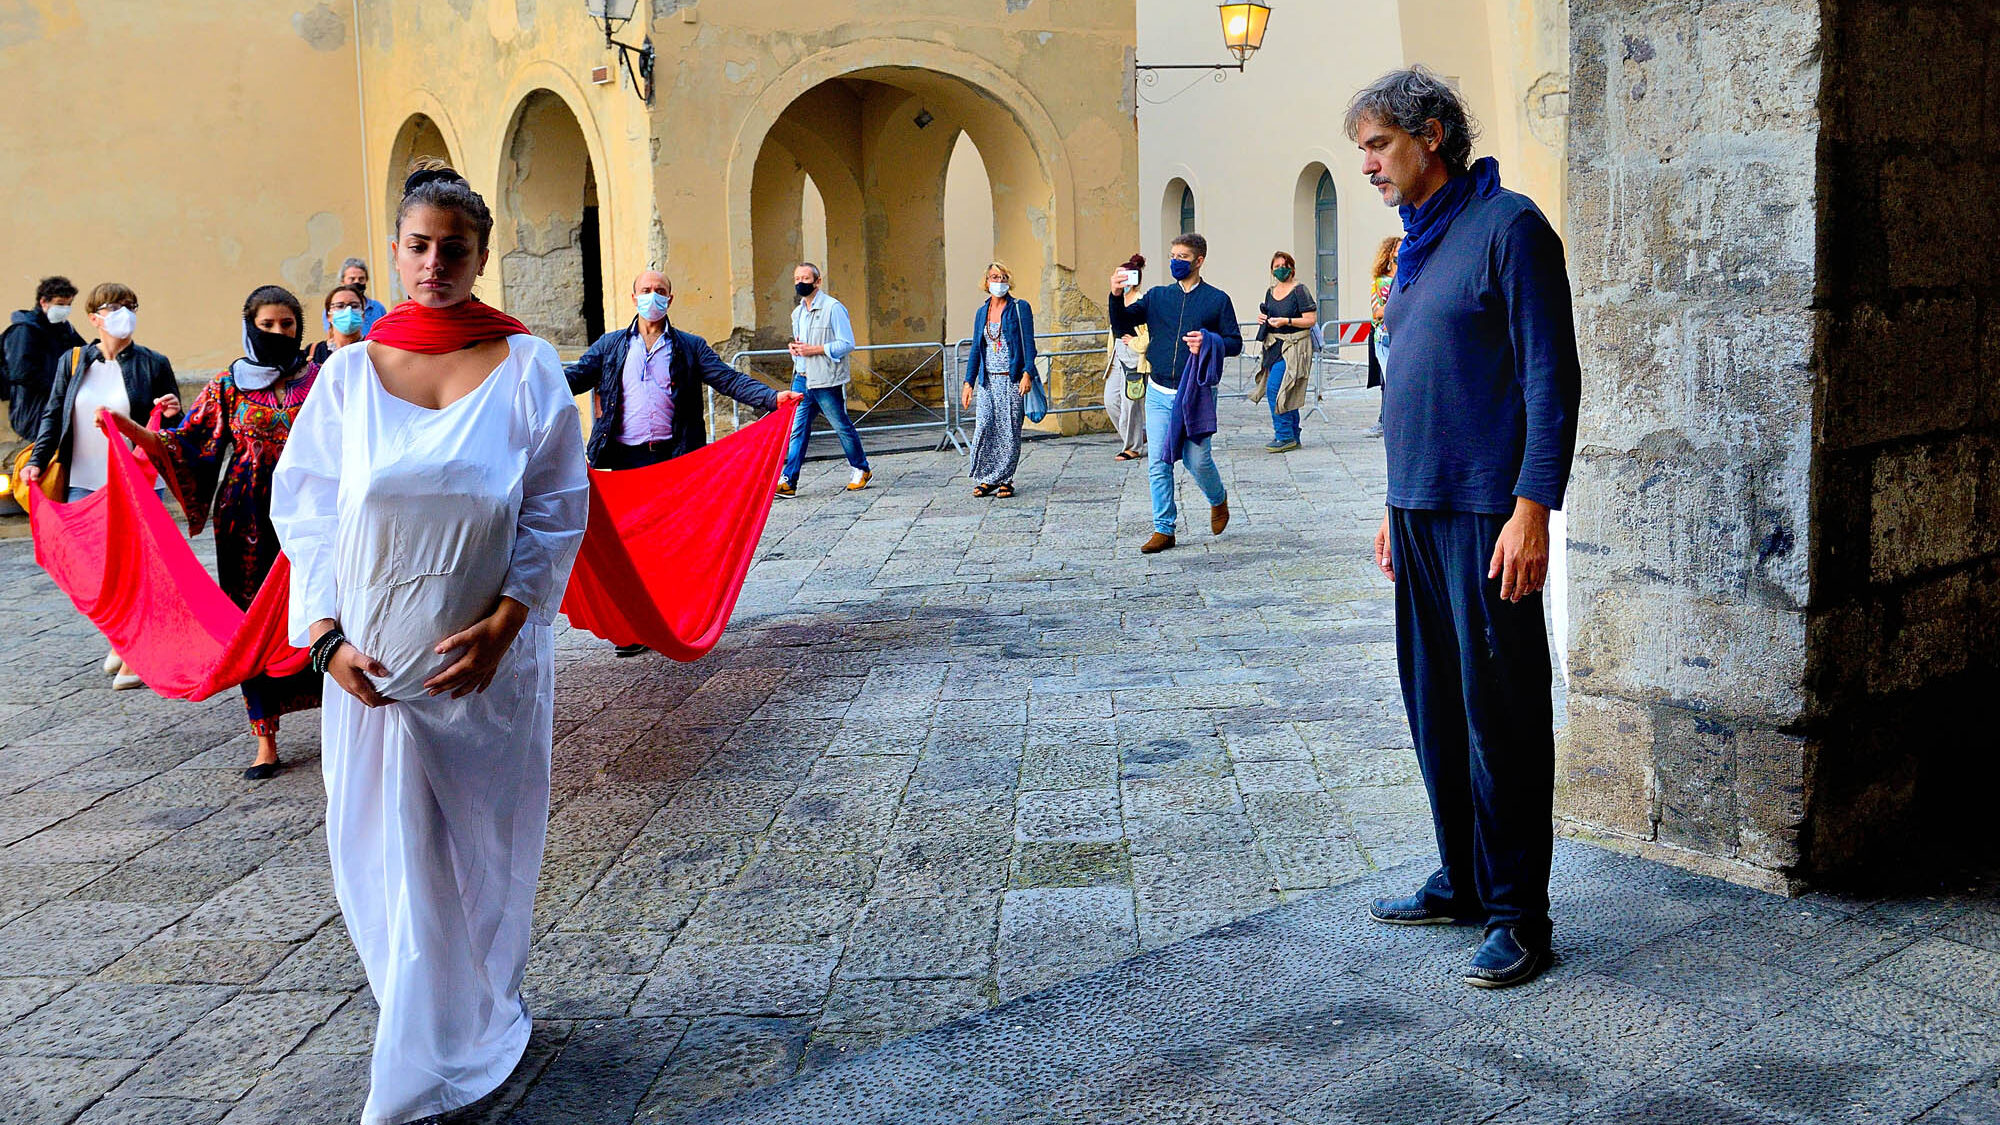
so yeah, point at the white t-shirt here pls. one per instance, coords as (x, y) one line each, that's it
(89, 455)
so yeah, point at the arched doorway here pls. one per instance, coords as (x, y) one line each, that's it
(547, 240)
(419, 138)
(879, 144)
(1316, 231)
(1177, 214)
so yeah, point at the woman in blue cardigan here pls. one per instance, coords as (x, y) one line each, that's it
(998, 372)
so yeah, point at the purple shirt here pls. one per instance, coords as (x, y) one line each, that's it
(649, 391)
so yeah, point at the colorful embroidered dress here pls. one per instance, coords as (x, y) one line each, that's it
(224, 451)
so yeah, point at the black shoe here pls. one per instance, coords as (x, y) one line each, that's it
(1418, 910)
(265, 772)
(629, 650)
(1503, 962)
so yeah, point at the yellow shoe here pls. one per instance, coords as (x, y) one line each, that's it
(787, 488)
(859, 480)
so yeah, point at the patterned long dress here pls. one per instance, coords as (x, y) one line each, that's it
(224, 450)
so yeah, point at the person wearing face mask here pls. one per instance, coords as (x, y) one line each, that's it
(223, 454)
(645, 380)
(822, 339)
(354, 275)
(998, 370)
(346, 320)
(111, 373)
(1180, 320)
(1284, 327)
(30, 349)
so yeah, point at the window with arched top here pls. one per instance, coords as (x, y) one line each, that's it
(1187, 209)
(1326, 248)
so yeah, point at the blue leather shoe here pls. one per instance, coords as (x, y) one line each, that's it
(1420, 910)
(1503, 962)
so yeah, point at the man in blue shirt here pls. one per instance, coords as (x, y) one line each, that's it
(1176, 316)
(1480, 405)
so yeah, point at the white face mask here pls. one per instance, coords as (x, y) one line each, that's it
(58, 314)
(120, 322)
(997, 288)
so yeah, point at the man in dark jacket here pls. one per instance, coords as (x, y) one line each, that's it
(646, 379)
(1176, 317)
(31, 347)
(1479, 421)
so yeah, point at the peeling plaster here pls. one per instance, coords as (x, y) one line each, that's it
(20, 23)
(321, 28)
(1014, 7)
(309, 272)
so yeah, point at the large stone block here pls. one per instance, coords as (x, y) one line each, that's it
(1895, 372)
(1771, 807)
(1930, 506)
(1604, 765)
(1668, 645)
(1695, 757)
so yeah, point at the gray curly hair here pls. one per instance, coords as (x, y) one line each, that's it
(1410, 100)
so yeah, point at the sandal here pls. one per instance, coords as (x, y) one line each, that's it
(1126, 455)
(983, 491)
(1003, 491)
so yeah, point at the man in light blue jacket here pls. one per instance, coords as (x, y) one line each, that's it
(822, 338)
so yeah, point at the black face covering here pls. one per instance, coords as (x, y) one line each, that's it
(273, 349)
(805, 288)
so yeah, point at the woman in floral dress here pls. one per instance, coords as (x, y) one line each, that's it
(222, 452)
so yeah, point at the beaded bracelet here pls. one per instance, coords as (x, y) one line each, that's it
(321, 653)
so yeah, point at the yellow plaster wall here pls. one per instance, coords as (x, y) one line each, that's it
(193, 150)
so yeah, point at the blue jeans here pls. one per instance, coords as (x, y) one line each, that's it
(832, 402)
(1196, 455)
(1284, 427)
(75, 494)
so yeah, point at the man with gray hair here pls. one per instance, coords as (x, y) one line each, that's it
(354, 272)
(1479, 420)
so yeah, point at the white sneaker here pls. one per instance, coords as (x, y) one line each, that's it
(112, 663)
(859, 480)
(126, 681)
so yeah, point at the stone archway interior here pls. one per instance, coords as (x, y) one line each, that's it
(547, 198)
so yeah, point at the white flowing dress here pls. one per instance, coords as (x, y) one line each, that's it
(406, 525)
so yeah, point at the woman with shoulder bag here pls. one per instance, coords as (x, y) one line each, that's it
(1001, 368)
(110, 373)
(1284, 328)
(1125, 378)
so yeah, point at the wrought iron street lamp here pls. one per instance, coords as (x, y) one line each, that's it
(1243, 27)
(612, 15)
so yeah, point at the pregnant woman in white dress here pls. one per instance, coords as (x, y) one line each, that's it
(432, 499)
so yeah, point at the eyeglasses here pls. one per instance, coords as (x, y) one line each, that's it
(337, 307)
(109, 305)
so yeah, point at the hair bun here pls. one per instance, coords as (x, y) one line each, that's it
(1136, 262)
(426, 169)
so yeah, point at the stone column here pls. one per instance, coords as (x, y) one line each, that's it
(1785, 560)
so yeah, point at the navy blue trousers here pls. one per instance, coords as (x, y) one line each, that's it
(1475, 673)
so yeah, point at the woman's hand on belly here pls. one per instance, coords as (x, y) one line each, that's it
(480, 649)
(350, 668)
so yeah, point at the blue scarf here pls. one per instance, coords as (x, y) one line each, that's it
(1424, 227)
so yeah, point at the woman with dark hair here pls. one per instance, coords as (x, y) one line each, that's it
(1125, 376)
(1284, 328)
(346, 313)
(432, 500)
(222, 454)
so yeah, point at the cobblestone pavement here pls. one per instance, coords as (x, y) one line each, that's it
(951, 752)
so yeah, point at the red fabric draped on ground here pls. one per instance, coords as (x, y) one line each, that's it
(668, 545)
(661, 565)
(121, 558)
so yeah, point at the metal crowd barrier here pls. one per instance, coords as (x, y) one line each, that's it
(937, 416)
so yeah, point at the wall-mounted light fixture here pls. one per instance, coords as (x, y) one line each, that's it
(612, 15)
(923, 119)
(1243, 26)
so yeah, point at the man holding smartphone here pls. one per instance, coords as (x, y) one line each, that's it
(1176, 318)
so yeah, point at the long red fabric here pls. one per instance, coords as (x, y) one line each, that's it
(662, 563)
(121, 558)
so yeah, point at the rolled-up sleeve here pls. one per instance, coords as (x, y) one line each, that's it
(305, 504)
(555, 502)
(842, 342)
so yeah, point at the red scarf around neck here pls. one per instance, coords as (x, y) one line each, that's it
(435, 331)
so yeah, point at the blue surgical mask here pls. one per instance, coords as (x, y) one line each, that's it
(1181, 268)
(653, 306)
(347, 322)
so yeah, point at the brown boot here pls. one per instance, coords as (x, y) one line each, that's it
(1157, 544)
(1218, 517)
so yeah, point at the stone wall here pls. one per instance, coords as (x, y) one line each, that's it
(1783, 553)
(1905, 632)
